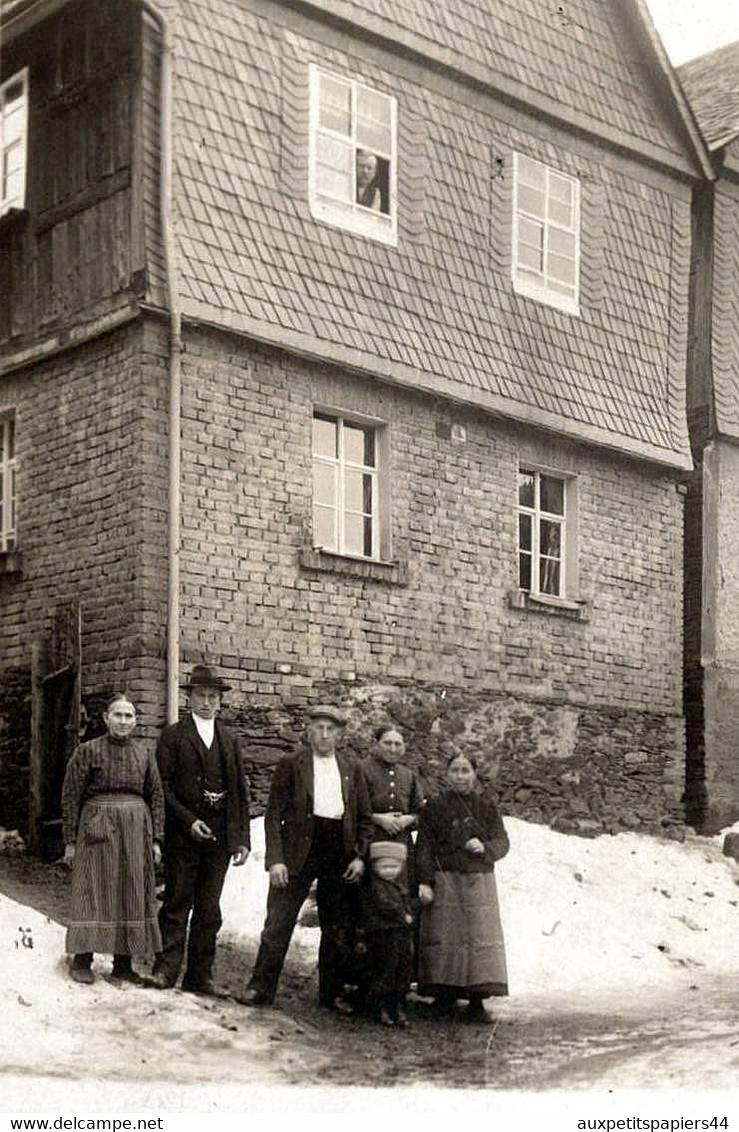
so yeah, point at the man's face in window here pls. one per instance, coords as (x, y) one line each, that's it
(366, 168)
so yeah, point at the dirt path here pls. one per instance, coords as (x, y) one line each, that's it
(654, 1040)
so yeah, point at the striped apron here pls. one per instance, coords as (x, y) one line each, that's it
(113, 891)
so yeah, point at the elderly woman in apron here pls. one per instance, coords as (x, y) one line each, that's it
(113, 822)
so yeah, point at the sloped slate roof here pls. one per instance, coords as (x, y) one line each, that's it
(580, 54)
(711, 84)
(250, 251)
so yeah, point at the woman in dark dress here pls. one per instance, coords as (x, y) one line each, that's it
(462, 953)
(113, 820)
(395, 792)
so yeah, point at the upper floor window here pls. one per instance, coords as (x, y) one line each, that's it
(542, 533)
(346, 495)
(7, 482)
(546, 234)
(13, 140)
(352, 156)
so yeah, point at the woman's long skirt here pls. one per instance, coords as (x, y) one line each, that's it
(461, 945)
(113, 890)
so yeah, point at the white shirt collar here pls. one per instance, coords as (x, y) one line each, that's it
(206, 728)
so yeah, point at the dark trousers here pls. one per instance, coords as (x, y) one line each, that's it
(193, 881)
(389, 955)
(326, 862)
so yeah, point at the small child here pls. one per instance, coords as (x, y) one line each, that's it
(387, 933)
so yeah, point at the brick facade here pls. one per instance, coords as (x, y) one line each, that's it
(574, 709)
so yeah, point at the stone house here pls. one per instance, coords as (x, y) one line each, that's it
(712, 505)
(343, 346)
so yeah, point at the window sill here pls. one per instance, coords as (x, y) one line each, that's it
(540, 293)
(326, 561)
(544, 603)
(377, 226)
(11, 562)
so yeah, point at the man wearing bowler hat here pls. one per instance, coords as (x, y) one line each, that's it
(317, 825)
(207, 824)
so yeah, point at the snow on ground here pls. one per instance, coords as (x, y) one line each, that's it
(588, 923)
(608, 914)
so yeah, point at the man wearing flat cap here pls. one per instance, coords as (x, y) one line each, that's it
(207, 825)
(317, 826)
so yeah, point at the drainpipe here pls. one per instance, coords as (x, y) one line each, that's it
(175, 351)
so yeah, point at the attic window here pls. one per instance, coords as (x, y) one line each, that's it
(352, 156)
(13, 141)
(546, 234)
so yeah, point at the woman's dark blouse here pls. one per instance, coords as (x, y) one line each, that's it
(109, 766)
(392, 788)
(447, 823)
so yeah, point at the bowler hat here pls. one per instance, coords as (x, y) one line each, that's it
(327, 711)
(203, 676)
(394, 849)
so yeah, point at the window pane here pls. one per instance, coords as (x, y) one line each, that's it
(562, 270)
(335, 105)
(353, 490)
(13, 92)
(325, 437)
(560, 188)
(11, 497)
(11, 437)
(552, 495)
(324, 484)
(531, 173)
(373, 106)
(371, 135)
(549, 576)
(367, 495)
(12, 186)
(368, 547)
(550, 538)
(334, 174)
(359, 445)
(324, 528)
(530, 258)
(526, 484)
(561, 243)
(354, 539)
(524, 532)
(524, 571)
(531, 200)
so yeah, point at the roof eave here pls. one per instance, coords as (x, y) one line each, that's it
(26, 14)
(700, 149)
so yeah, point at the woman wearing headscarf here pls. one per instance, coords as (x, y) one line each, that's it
(113, 823)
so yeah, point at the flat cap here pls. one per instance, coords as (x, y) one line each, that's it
(327, 711)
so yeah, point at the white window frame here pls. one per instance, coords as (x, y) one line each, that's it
(379, 489)
(8, 479)
(350, 215)
(19, 140)
(568, 572)
(543, 286)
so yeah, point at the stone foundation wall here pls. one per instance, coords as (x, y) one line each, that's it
(580, 770)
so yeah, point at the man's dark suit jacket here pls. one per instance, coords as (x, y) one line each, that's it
(288, 822)
(179, 754)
